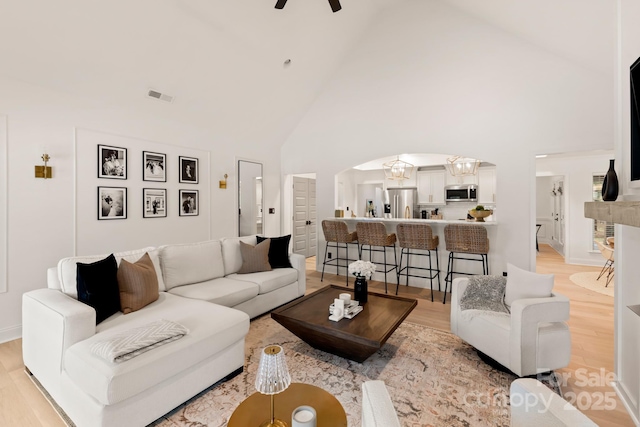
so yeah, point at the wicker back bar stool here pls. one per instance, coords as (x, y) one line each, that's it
(466, 240)
(374, 234)
(337, 235)
(418, 239)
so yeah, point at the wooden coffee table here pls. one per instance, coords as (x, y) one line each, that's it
(355, 339)
(255, 408)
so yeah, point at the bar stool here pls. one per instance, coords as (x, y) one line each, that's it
(467, 240)
(415, 239)
(337, 236)
(375, 234)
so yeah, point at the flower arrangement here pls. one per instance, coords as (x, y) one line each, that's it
(362, 269)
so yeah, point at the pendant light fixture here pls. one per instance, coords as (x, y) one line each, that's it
(398, 170)
(462, 166)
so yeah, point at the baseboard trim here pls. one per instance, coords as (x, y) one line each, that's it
(11, 333)
(624, 399)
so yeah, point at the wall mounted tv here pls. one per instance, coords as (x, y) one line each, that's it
(634, 75)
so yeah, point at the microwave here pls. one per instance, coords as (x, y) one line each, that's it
(461, 193)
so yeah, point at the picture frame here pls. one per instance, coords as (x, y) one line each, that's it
(112, 162)
(154, 203)
(188, 170)
(112, 203)
(154, 166)
(189, 202)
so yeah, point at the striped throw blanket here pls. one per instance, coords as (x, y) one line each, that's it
(133, 342)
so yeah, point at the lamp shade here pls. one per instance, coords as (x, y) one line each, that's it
(273, 376)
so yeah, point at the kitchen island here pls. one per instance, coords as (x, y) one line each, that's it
(392, 222)
(437, 225)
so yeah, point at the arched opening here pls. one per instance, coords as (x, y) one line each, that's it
(366, 189)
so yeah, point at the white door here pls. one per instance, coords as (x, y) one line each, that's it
(304, 237)
(561, 213)
(557, 238)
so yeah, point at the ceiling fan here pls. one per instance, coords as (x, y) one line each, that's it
(335, 4)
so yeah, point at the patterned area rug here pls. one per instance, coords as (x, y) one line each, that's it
(434, 379)
(588, 280)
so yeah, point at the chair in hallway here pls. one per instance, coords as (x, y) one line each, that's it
(607, 253)
(374, 234)
(469, 240)
(337, 235)
(417, 239)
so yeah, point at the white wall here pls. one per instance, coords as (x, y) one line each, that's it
(627, 248)
(427, 78)
(41, 212)
(578, 174)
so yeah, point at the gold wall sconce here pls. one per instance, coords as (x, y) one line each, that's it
(44, 171)
(223, 183)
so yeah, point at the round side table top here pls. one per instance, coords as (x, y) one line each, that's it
(255, 408)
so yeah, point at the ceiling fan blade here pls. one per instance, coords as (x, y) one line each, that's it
(280, 4)
(335, 5)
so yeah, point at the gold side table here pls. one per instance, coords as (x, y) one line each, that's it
(255, 408)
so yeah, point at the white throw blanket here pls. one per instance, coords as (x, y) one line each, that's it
(134, 342)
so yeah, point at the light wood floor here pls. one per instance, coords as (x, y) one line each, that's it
(591, 327)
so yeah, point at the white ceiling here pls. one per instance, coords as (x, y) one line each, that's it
(582, 31)
(223, 61)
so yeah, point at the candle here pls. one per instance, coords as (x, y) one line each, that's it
(304, 416)
(346, 298)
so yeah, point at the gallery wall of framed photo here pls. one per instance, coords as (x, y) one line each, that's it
(153, 193)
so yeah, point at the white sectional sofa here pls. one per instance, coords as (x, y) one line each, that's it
(199, 288)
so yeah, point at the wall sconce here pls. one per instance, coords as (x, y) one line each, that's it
(223, 183)
(44, 171)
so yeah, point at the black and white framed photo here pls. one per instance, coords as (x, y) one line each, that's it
(188, 170)
(189, 203)
(153, 165)
(112, 162)
(112, 203)
(154, 203)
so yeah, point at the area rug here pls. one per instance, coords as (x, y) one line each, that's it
(588, 280)
(434, 379)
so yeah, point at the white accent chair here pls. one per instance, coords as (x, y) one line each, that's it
(534, 405)
(377, 408)
(533, 339)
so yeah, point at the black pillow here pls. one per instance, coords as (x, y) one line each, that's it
(97, 285)
(278, 251)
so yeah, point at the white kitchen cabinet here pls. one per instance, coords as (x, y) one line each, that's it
(486, 185)
(461, 180)
(431, 187)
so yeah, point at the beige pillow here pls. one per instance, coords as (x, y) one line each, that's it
(255, 258)
(138, 283)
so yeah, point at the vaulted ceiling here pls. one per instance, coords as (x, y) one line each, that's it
(224, 61)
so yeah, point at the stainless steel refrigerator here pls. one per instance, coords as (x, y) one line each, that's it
(401, 202)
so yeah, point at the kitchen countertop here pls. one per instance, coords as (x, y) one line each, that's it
(417, 220)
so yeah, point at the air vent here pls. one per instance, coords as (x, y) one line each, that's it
(158, 95)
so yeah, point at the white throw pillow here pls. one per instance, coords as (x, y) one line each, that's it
(525, 284)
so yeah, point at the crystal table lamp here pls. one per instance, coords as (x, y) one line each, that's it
(272, 378)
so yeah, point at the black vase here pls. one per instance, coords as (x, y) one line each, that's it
(610, 184)
(360, 290)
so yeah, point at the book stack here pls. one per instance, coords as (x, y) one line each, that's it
(350, 309)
